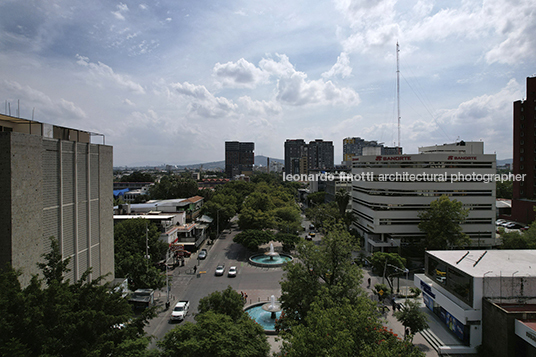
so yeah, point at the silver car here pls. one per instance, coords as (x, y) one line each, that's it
(220, 269)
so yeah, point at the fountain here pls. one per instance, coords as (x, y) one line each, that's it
(272, 253)
(265, 314)
(272, 307)
(270, 259)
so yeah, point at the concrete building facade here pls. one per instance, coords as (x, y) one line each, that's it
(239, 158)
(465, 287)
(56, 184)
(389, 192)
(524, 192)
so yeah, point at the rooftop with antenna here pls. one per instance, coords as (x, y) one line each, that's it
(26, 126)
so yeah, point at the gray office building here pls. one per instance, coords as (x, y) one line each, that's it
(55, 183)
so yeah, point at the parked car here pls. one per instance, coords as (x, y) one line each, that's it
(202, 254)
(220, 269)
(180, 310)
(499, 222)
(232, 272)
(308, 237)
(311, 227)
(312, 234)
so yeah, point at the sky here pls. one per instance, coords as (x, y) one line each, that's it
(169, 81)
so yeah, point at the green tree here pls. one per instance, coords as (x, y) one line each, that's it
(173, 186)
(288, 240)
(130, 240)
(216, 335)
(138, 176)
(411, 316)
(316, 198)
(227, 302)
(324, 214)
(328, 265)
(504, 189)
(344, 329)
(53, 317)
(342, 197)
(442, 224)
(384, 262)
(253, 238)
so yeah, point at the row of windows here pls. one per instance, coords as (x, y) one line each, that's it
(427, 165)
(414, 207)
(427, 193)
(452, 279)
(410, 221)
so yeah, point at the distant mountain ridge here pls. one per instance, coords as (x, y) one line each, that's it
(260, 160)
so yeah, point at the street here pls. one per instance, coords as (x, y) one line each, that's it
(258, 283)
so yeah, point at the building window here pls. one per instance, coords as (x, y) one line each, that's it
(522, 126)
(523, 141)
(523, 150)
(521, 158)
(521, 134)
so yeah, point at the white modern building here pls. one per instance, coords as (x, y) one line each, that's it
(457, 285)
(389, 192)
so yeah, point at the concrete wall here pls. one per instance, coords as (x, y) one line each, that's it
(56, 188)
(26, 183)
(498, 329)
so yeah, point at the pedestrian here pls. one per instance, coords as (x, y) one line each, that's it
(369, 282)
(195, 269)
(393, 304)
(245, 297)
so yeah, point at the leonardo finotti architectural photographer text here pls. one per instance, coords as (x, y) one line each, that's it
(407, 177)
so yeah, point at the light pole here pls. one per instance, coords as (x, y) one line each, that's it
(146, 246)
(406, 270)
(167, 279)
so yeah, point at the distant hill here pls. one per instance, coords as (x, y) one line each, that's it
(504, 162)
(260, 160)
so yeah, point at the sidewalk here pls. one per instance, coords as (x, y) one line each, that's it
(429, 340)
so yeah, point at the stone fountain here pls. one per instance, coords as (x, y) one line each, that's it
(272, 253)
(270, 259)
(272, 307)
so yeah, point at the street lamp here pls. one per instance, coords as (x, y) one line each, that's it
(406, 270)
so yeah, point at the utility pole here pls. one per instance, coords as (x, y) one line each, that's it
(146, 246)
(398, 95)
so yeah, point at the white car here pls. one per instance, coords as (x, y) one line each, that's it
(232, 272)
(180, 310)
(220, 269)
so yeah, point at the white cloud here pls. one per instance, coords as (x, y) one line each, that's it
(280, 68)
(240, 74)
(342, 68)
(204, 103)
(296, 90)
(46, 108)
(258, 108)
(121, 9)
(102, 73)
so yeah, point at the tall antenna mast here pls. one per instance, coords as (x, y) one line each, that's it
(398, 95)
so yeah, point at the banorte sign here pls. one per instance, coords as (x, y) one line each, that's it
(393, 158)
(461, 158)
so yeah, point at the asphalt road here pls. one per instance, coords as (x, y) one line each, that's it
(258, 283)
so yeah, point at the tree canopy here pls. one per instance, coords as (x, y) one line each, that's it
(412, 317)
(222, 329)
(328, 265)
(130, 240)
(227, 302)
(326, 312)
(55, 317)
(173, 186)
(253, 238)
(442, 224)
